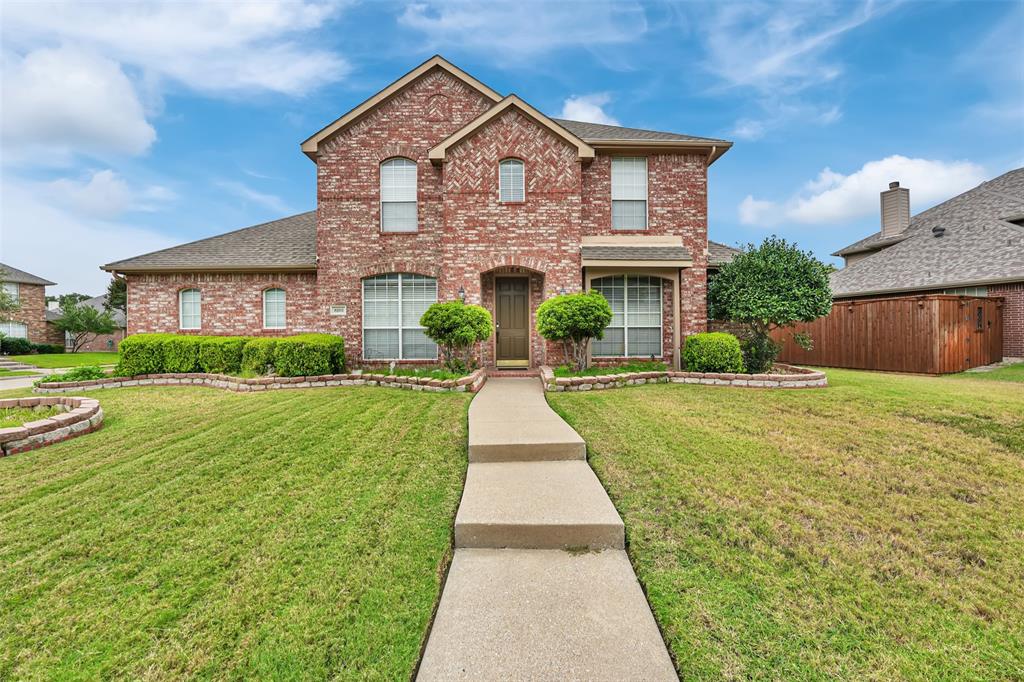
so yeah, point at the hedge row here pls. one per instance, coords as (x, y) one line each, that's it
(289, 356)
(12, 345)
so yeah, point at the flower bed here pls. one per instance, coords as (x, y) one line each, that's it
(78, 416)
(793, 377)
(471, 382)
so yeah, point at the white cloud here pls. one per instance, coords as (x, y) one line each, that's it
(748, 129)
(106, 195)
(67, 100)
(588, 108)
(246, 193)
(75, 245)
(833, 198)
(522, 29)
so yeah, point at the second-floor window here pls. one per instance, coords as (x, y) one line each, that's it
(189, 309)
(511, 181)
(13, 289)
(629, 193)
(398, 196)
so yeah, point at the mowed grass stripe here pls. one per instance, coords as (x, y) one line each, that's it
(301, 537)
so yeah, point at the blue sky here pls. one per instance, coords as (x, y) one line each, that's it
(131, 127)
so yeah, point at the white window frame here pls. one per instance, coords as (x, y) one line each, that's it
(388, 193)
(503, 181)
(284, 308)
(199, 308)
(625, 327)
(621, 193)
(402, 326)
(14, 289)
(7, 328)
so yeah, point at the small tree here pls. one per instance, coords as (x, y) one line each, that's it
(768, 287)
(574, 319)
(117, 295)
(65, 300)
(456, 328)
(83, 323)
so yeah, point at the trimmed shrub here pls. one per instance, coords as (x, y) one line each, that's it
(574, 319)
(181, 354)
(457, 328)
(142, 354)
(48, 348)
(309, 355)
(221, 354)
(258, 355)
(713, 352)
(15, 346)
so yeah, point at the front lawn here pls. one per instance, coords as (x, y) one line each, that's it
(871, 530)
(16, 373)
(1013, 372)
(55, 360)
(202, 533)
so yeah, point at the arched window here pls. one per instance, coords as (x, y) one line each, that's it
(190, 309)
(392, 307)
(398, 196)
(511, 183)
(273, 309)
(635, 329)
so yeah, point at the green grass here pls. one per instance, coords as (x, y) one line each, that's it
(208, 534)
(1008, 373)
(16, 416)
(638, 366)
(427, 372)
(16, 373)
(55, 360)
(871, 530)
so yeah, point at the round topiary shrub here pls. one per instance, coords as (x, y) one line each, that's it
(713, 352)
(456, 328)
(574, 319)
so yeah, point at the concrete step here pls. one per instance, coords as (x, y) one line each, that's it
(15, 366)
(512, 614)
(510, 421)
(536, 505)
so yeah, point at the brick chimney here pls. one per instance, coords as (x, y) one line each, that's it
(895, 210)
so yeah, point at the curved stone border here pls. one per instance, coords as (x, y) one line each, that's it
(800, 378)
(470, 383)
(79, 416)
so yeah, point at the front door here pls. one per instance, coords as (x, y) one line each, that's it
(513, 329)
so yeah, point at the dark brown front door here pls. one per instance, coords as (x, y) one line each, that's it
(513, 315)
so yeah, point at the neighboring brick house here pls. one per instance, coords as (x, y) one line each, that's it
(101, 342)
(29, 321)
(438, 188)
(972, 244)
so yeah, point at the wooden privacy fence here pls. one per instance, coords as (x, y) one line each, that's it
(928, 334)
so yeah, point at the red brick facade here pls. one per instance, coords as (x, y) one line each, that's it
(32, 314)
(1013, 317)
(465, 236)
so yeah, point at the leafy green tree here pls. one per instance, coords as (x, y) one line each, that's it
(64, 300)
(117, 295)
(768, 287)
(456, 328)
(574, 319)
(83, 323)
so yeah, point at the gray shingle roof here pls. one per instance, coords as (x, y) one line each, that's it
(634, 252)
(871, 243)
(97, 302)
(288, 244)
(719, 254)
(595, 132)
(978, 246)
(9, 274)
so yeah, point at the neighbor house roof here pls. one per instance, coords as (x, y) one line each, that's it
(285, 244)
(9, 274)
(979, 245)
(720, 254)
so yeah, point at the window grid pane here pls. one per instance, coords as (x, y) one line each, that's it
(629, 193)
(636, 326)
(273, 309)
(13, 289)
(190, 309)
(511, 181)
(398, 196)
(15, 330)
(392, 307)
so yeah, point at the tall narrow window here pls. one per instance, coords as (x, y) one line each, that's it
(635, 329)
(392, 307)
(398, 196)
(13, 289)
(629, 193)
(189, 309)
(273, 309)
(511, 185)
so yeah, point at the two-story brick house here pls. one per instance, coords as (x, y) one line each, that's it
(439, 188)
(29, 320)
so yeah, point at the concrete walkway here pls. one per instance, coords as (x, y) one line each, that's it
(540, 587)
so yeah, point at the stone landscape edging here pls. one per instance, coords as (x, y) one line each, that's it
(470, 383)
(800, 377)
(80, 416)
